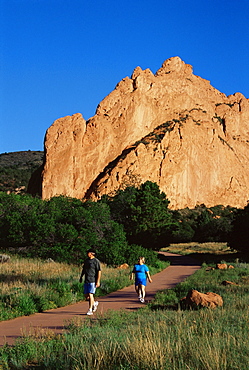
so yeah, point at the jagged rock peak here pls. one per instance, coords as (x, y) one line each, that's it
(174, 64)
(171, 127)
(139, 71)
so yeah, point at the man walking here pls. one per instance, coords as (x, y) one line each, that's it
(92, 271)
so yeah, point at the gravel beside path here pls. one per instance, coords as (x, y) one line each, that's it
(181, 267)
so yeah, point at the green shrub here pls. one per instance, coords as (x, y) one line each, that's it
(134, 251)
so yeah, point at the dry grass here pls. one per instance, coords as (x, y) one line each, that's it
(163, 339)
(37, 268)
(32, 285)
(20, 272)
(202, 248)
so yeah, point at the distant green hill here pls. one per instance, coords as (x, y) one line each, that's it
(16, 169)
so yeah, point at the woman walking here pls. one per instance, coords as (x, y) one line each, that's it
(141, 272)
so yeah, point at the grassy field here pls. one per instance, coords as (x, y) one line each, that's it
(161, 336)
(32, 285)
(204, 252)
(201, 248)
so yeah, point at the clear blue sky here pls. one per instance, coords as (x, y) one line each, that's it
(60, 57)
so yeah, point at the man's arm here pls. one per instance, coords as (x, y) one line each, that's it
(98, 279)
(81, 276)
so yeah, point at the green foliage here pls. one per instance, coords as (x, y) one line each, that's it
(165, 299)
(17, 216)
(169, 338)
(144, 214)
(205, 281)
(64, 228)
(107, 236)
(32, 285)
(135, 251)
(19, 302)
(240, 232)
(61, 228)
(214, 224)
(16, 169)
(204, 224)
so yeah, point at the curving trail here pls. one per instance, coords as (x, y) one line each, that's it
(181, 267)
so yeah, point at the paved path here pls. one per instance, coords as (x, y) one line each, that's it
(181, 267)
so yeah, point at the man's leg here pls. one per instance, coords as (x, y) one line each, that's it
(91, 301)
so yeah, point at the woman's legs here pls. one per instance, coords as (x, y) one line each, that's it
(140, 290)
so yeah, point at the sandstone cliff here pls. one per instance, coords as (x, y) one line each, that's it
(171, 127)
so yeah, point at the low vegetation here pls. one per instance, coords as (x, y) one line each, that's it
(33, 285)
(63, 229)
(135, 221)
(161, 336)
(16, 169)
(201, 248)
(205, 252)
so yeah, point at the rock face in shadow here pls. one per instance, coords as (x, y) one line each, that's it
(171, 127)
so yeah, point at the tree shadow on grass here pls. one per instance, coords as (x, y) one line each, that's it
(164, 307)
(190, 258)
(217, 258)
(177, 259)
(6, 278)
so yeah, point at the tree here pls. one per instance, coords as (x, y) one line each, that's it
(240, 233)
(61, 228)
(17, 218)
(144, 214)
(213, 224)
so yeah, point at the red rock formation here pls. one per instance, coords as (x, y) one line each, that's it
(221, 266)
(171, 127)
(197, 299)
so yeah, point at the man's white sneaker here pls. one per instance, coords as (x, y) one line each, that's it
(89, 312)
(95, 306)
(142, 300)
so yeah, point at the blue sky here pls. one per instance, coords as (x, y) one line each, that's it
(60, 57)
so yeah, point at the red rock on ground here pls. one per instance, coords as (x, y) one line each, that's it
(195, 299)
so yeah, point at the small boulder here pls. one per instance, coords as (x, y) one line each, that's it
(4, 258)
(221, 266)
(124, 266)
(49, 260)
(209, 268)
(196, 299)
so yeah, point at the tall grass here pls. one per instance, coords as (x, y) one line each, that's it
(216, 248)
(160, 336)
(32, 285)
